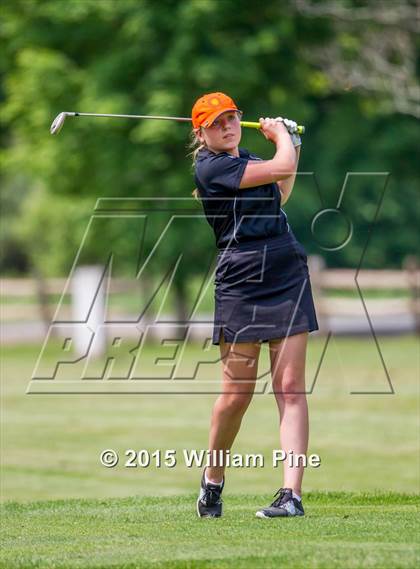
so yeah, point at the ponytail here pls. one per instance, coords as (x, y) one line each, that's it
(195, 146)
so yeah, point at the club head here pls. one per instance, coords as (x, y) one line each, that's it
(57, 123)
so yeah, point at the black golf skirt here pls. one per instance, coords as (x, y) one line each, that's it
(263, 291)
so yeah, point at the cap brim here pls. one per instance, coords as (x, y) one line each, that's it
(210, 119)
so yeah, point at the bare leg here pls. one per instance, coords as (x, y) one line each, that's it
(239, 372)
(287, 358)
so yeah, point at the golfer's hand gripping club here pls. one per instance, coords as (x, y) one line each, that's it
(293, 130)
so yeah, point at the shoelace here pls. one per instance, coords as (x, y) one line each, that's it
(281, 493)
(211, 496)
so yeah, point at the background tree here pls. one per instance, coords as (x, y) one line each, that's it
(298, 59)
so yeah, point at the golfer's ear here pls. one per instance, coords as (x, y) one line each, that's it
(198, 134)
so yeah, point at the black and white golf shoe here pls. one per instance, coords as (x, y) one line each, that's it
(209, 503)
(285, 505)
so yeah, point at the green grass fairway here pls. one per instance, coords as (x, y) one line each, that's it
(62, 508)
(50, 444)
(339, 531)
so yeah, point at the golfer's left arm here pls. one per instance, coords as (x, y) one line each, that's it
(286, 186)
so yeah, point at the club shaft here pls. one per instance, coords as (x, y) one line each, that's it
(248, 124)
(245, 124)
(179, 119)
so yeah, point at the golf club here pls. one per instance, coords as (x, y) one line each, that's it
(58, 122)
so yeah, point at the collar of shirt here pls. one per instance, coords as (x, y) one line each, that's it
(243, 153)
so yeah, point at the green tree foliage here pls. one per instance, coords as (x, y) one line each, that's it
(146, 57)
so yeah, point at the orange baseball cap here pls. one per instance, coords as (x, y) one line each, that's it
(208, 107)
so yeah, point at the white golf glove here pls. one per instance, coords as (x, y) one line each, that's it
(292, 129)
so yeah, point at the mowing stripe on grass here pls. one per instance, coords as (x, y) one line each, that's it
(339, 530)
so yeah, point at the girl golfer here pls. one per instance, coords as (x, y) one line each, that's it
(262, 287)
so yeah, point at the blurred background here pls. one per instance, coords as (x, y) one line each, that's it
(348, 71)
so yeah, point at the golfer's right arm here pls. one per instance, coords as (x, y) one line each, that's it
(280, 167)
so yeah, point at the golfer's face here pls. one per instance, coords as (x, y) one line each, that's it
(225, 132)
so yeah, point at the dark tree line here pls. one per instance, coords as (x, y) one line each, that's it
(319, 63)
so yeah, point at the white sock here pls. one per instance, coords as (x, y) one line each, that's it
(296, 496)
(207, 481)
